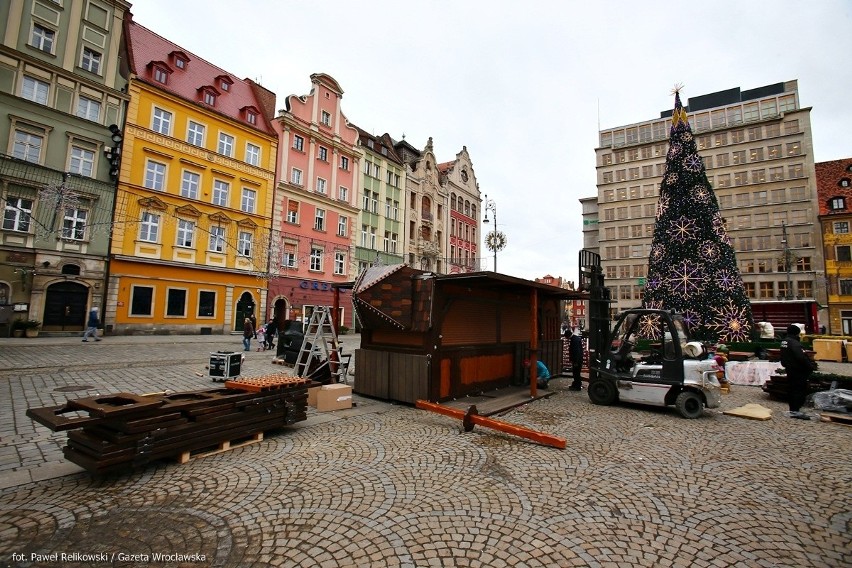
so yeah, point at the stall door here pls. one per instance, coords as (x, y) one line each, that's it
(65, 307)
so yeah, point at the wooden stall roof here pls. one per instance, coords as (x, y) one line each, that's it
(400, 297)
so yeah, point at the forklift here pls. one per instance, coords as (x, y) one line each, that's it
(648, 357)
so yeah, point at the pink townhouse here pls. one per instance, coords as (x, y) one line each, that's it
(315, 204)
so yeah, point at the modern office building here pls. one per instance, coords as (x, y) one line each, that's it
(758, 154)
(193, 214)
(381, 219)
(834, 186)
(60, 90)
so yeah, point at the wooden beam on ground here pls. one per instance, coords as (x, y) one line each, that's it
(471, 418)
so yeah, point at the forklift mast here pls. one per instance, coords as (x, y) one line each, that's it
(592, 281)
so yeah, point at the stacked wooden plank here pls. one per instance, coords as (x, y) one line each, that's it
(124, 430)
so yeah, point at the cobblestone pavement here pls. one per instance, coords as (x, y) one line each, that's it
(389, 485)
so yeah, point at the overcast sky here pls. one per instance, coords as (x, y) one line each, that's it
(526, 85)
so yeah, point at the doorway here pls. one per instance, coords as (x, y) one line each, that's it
(245, 309)
(65, 307)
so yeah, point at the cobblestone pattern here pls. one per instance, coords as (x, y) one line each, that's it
(389, 485)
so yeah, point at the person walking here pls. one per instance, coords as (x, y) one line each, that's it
(248, 333)
(92, 325)
(799, 368)
(271, 330)
(260, 335)
(575, 353)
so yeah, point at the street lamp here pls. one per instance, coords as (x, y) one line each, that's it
(495, 240)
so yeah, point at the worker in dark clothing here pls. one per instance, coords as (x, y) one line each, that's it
(575, 353)
(271, 330)
(799, 367)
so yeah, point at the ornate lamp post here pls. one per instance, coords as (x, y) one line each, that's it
(495, 240)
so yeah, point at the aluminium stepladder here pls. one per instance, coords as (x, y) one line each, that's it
(321, 356)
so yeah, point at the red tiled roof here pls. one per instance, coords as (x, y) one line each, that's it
(146, 47)
(828, 178)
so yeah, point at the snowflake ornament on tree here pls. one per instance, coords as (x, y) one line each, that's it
(692, 263)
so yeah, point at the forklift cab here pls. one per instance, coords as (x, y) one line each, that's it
(651, 360)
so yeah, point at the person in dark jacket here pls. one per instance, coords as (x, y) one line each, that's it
(799, 367)
(248, 333)
(271, 330)
(575, 353)
(92, 325)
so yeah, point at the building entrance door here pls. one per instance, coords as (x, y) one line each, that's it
(65, 307)
(245, 308)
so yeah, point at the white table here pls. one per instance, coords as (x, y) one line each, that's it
(753, 373)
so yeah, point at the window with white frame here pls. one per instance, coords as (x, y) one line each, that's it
(326, 118)
(249, 200)
(210, 98)
(185, 233)
(321, 184)
(841, 227)
(394, 239)
(162, 121)
(837, 203)
(220, 192)
(195, 133)
(42, 38)
(316, 259)
(17, 213)
(342, 226)
(251, 117)
(366, 201)
(344, 163)
(298, 143)
(252, 154)
(364, 235)
(244, 241)
(89, 109)
(82, 161)
(155, 175)
(288, 256)
(339, 263)
(343, 194)
(323, 153)
(226, 144)
(35, 90)
(319, 220)
(161, 75)
(149, 228)
(27, 146)
(189, 185)
(91, 61)
(293, 212)
(296, 176)
(74, 223)
(217, 239)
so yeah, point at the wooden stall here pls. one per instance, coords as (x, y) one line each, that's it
(441, 336)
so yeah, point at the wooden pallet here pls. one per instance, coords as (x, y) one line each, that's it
(225, 446)
(845, 419)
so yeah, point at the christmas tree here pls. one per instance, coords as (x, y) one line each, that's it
(692, 268)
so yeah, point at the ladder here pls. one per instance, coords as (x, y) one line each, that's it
(320, 357)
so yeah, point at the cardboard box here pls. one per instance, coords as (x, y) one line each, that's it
(312, 396)
(334, 397)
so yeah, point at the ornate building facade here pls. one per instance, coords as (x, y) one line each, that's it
(834, 186)
(315, 202)
(61, 90)
(192, 222)
(459, 182)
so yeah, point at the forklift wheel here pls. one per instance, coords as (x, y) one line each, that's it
(602, 391)
(689, 404)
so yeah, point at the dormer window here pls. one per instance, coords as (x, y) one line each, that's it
(180, 59)
(845, 182)
(251, 117)
(837, 204)
(180, 63)
(224, 83)
(209, 98)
